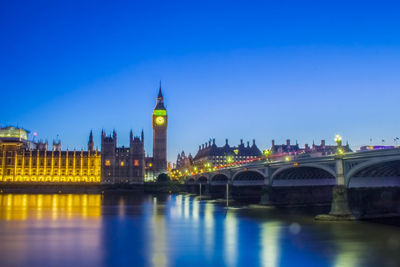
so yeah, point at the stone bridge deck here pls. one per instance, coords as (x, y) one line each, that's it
(369, 169)
(360, 169)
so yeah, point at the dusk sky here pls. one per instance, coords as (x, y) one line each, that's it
(303, 70)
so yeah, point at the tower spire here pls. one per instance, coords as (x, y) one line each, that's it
(91, 143)
(160, 96)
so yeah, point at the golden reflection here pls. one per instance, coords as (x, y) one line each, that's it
(54, 213)
(270, 244)
(121, 207)
(30, 206)
(230, 238)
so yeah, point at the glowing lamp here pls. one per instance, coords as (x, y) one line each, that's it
(338, 140)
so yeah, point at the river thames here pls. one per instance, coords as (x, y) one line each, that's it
(181, 230)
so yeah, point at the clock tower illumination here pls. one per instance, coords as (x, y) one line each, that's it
(160, 122)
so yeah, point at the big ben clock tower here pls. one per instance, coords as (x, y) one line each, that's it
(160, 122)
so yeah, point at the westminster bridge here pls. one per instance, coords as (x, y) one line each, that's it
(354, 184)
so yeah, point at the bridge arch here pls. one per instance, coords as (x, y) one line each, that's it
(304, 175)
(202, 180)
(375, 173)
(219, 177)
(190, 181)
(248, 175)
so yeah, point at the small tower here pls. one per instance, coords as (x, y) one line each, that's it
(56, 145)
(91, 143)
(131, 139)
(137, 155)
(108, 154)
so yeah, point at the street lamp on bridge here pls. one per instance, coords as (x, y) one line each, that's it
(338, 140)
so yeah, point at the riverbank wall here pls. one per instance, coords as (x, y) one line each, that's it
(52, 188)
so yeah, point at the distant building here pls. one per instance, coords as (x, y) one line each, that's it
(323, 149)
(217, 156)
(313, 151)
(22, 160)
(285, 148)
(183, 161)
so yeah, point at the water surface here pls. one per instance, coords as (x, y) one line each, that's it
(181, 230)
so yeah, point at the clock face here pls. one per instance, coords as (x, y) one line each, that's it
(160, 120)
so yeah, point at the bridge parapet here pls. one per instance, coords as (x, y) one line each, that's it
(342, 168)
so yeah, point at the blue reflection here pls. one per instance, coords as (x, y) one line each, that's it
(179, 230)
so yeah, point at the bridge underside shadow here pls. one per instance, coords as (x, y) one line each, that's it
(300, 186)
(191, 186)
(218, 186)
(375, 190)
(247, 186)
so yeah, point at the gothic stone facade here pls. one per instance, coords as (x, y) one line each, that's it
(122, 164)
(25, 161)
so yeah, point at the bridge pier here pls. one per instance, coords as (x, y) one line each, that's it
(340, 203)
(204, 189)
(266, 195)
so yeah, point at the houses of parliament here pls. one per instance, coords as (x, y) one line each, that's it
(22, 160)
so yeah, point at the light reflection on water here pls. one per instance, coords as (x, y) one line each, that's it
(270, 244)
(179, 230)
(230, 238)
(24, 206)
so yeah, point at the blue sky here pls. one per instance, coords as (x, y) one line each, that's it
(303, 70)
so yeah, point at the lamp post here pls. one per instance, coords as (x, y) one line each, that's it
(266, 154)
(338, 140)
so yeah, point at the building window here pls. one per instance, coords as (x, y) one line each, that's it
(122, 163)
(136, 163)
(107, 163)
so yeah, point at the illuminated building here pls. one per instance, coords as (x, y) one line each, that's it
(25, 161)
(160, 123)
(129, 164)
(22, 160)
(210, 153)
(183, 161)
